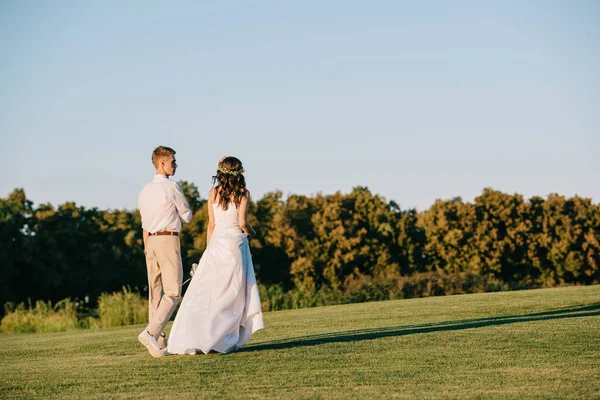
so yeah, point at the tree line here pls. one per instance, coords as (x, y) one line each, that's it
(323, 249)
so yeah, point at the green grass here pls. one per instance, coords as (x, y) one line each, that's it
(527, 344)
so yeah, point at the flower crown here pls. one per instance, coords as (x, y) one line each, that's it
(228, 171)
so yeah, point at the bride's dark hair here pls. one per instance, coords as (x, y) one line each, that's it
(231, 184)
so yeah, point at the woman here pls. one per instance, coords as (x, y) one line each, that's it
(221, 307)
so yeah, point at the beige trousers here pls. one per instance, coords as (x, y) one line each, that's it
(165, 272)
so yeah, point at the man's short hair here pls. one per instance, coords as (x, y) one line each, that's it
(160, 152)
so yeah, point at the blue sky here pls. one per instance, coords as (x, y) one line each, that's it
(415, 100)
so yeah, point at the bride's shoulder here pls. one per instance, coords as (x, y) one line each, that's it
(246, 194)
(212, 195)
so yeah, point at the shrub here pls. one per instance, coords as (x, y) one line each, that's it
(362, 288)
(122, 308)
(42, 318)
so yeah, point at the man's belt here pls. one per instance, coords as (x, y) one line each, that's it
(164, 233)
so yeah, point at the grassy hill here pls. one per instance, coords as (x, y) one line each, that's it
(527, 344)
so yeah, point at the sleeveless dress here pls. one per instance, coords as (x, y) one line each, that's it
(221, 307)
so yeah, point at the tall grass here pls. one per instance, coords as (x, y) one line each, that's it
(114, 309)
(122, 308)
(127, 307)
(364, 288)
(44, 317)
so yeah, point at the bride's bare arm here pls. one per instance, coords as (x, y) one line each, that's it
(211, 216)
(243, 213)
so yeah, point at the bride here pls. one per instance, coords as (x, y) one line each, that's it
(221, 307)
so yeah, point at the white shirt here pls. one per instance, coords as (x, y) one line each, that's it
(163, 205)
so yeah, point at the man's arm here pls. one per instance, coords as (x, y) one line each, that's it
(183, 208)
(145, 235)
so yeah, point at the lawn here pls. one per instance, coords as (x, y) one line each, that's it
(525, 344)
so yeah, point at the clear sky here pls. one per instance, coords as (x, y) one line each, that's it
(415, 100)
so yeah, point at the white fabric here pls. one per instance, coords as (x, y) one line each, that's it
(163, 205)
(221, 307)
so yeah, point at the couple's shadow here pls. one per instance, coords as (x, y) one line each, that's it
(404, 330)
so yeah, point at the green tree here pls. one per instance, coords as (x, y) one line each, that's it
(15, 239)
(449, 227)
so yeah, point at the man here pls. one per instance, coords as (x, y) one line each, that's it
(163, 208)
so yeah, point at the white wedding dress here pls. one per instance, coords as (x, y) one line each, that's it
(221, 307)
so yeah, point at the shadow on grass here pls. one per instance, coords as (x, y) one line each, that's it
(591, 310)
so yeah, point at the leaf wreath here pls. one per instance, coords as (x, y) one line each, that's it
(226, 170)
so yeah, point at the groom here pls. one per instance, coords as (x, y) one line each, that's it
(163, 208)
